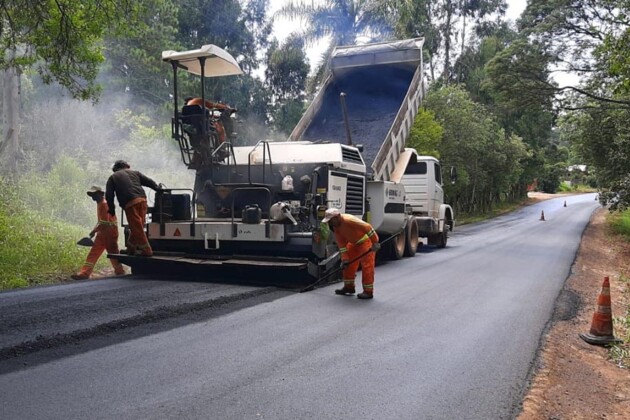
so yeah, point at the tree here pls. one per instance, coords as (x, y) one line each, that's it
(286, 76)
(588, 38)
(342, 21)
(444, 24)
(426, 134)
(418, 18)
(496, 77)
(242, 30)
(600, 138)
(489, 161)
(583, 37)
(133, 65)
(62, 40)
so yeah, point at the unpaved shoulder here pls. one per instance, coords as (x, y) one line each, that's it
(575, 380)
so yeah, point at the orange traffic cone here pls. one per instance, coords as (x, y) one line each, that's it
(602, 326)
(542, 216)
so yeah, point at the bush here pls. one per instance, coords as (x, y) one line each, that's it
(620, 223)
(565, 187)
(33, 248)
(60, 193)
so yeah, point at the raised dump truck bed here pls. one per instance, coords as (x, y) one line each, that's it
(383, 90)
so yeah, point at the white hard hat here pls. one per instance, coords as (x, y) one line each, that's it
(330, 213)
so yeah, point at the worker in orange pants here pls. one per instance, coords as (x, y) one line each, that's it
(126, 185)
(106, 231)
(137, 242)
(354, 238)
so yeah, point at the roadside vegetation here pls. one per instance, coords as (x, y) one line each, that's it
(34, 249)
(619, 223)
(620, 353)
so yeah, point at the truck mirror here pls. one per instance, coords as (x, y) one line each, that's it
(453, 175)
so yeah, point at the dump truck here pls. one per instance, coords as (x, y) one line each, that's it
(259, 207)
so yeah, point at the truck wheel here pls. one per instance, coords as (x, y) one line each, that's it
(396, 247)
(442, 237)
(411, 238)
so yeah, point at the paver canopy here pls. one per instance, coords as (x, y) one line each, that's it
(218, 62)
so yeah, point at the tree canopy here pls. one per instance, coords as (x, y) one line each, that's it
(495, 106)
(63, 39)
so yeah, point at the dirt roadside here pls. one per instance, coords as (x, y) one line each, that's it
(573, 379)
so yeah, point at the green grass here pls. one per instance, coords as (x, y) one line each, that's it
(497, 210)
(620, 353)
(33, 248)
(577, 188)
(564, 187)
(620, 223)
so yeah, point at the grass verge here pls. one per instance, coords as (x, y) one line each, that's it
(620, 223)
(620, 353)
(35, 249)
(497, 210)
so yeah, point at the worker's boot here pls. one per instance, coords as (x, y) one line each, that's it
(131, 250)
(80, 276)
(365, 295)
(346, 291)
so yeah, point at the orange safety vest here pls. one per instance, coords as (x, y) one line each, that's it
(353, 230)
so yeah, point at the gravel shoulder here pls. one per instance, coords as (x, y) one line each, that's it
(573, 379)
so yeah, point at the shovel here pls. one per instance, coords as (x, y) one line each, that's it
(87, 241)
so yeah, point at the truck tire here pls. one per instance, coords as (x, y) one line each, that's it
(411, 238)
(396, 247)
(441, 238)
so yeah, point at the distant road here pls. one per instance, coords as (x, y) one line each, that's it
(451, 334)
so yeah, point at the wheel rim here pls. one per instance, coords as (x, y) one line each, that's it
(412, 239)
(399, 243)
(413, 236)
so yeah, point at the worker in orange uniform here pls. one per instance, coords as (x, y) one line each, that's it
(354, 238)
(223, 122)
(126, 185)
(106, 231)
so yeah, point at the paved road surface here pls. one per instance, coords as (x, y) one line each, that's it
(451, 334)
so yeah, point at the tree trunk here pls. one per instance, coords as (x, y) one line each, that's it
(10, 151)
(447, 41)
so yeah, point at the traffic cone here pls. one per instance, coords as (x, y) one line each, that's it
(602, 325)
(565, 203)
(542, 216)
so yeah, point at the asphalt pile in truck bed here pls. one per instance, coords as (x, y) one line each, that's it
(373, 97)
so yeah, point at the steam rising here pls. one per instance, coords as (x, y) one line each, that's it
(89, 138)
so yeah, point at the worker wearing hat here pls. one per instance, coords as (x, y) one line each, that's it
(358, 243)
(223, 126)
(126, 185)
(106, 231)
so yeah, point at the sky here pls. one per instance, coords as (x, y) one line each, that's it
(282, 28)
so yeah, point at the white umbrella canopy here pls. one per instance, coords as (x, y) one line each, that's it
(218, 61)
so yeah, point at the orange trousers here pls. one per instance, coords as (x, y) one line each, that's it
(105, 240)
(136, 215)
(367, 263)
